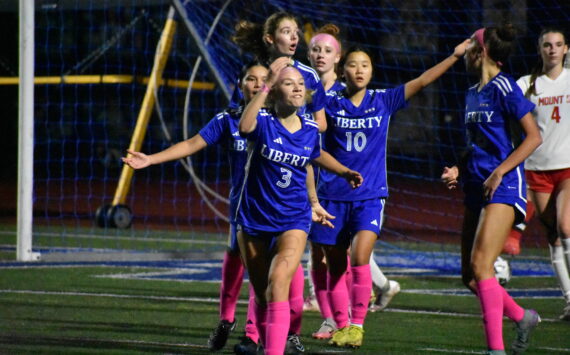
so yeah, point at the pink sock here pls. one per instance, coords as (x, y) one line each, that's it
(338, 298)
(510, 308)
(491, 300)
(296, 300)
(349, 275)
(320, 282)
(360, 293)
(261, 318)
(250, 324)
(278, 316)
(232, 278)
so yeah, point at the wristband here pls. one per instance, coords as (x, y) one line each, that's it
(265, 89)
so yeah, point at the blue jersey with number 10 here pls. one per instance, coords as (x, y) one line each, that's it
(274, 196)
(356, 137)
(223, 129)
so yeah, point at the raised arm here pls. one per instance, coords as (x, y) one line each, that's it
(138, 160)
(248, 120)
(531, 141)
(414, 86)
(327, 161)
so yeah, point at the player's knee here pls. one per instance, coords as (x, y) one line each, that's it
(564, 229)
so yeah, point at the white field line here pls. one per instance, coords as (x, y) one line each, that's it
(217, 300)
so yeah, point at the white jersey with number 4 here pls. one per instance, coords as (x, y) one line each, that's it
(552, 114)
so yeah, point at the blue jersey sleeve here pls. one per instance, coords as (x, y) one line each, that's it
(213, 132)
(516, 104)
(394, 99)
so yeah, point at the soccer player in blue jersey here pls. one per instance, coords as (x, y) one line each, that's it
(325, 51)
(279, 37)
(493, 180)
(358, 126)
(222, 129)
(274, 211)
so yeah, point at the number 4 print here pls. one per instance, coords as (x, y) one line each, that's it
(556, 114)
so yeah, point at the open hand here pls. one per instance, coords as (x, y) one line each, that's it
(136, 160)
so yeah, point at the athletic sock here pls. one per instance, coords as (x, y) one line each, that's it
(278, 315)
(261, 321)
(250, 323)
(296, 300)
(321, 293)
(360, 293)
(378, 278)
(232, 278)
(338, 298)
(560, 267)
(491, 300)
(511, 309)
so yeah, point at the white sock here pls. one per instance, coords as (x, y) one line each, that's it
(378, 278)
(311, 283)
(560, 269)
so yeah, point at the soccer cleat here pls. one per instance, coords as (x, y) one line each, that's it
(348, 337)
(384, 298)
(523, 328)
(328, 327)
(246, 347)
(220, 335)
(496, 352)
(294, 345)
(565, 313)
(311, 304)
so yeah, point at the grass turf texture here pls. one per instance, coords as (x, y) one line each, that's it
(75, 310)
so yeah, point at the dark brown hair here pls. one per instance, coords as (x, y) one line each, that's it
(249, 35)
(500, 42)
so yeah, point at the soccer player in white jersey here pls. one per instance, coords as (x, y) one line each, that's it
(548, 167)
(274, 211)
(356, 136)
(493, 180)
(325, 51)
(222, 129)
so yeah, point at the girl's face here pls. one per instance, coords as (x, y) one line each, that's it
(285, 39)
(323, 56)
(552, 49)
(290, 88)
(357, 70)
(473, 56)
(252, 81)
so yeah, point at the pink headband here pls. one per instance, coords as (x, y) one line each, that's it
(479, 36)
(327, 38)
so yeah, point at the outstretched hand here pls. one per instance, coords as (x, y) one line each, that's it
(491, 184)
(321, 216)
(449, 177)
(136, 160)
(354, 178)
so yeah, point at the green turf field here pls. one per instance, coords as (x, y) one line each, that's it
(128, 308)
(78, 310)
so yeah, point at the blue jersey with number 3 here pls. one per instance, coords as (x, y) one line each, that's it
(356, 137)
(274, 196)
(223, 129)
